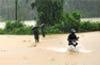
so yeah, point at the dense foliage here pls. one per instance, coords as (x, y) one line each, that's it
(13, 27)
(89, 26)
(50, 12)
(16, 27)
(72, 20)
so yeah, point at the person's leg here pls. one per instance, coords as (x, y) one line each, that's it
(36, 40)
(75, 44)
(70, 43)
(43, 34)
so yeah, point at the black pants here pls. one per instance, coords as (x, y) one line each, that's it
(43, 34)
(36, 38)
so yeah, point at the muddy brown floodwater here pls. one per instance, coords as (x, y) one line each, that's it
(19, 50)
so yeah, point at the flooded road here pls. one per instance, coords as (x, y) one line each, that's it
(20, 50)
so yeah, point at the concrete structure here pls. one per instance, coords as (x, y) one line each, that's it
(88, 8)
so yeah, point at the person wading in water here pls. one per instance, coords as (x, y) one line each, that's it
(43, 29)
(72, 37)
(35, 30)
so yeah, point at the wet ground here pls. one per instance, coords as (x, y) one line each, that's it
(20, 50)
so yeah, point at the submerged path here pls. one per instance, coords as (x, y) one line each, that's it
(19, 50)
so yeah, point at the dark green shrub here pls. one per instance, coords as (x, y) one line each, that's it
(23, 30)
(76, 15)
(2, 31)
(54, 29)
(89, 26)
(16, 27)
(11, 25)
(71, 21)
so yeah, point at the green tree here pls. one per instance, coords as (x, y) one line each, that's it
(50, 11)
(72, 20)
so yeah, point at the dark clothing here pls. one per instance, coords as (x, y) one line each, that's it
(43, 30)
(43, 34)
(36, 35)
(70, 43)
(72, 37)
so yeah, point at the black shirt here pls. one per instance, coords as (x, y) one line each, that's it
(72, 36)
(36, 32)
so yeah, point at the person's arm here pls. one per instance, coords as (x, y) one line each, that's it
(76, 37)
(69, 37)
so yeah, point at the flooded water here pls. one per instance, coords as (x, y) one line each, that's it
(52, 50)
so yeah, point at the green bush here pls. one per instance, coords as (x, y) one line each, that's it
(12, 25)
(71, 21)
(16, 27)
(89, 26)
(54, 29)
(2, 31)
(57, 28)
(23, 30)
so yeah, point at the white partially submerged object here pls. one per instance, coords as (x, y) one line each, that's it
(70, 48)
(78, 49)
